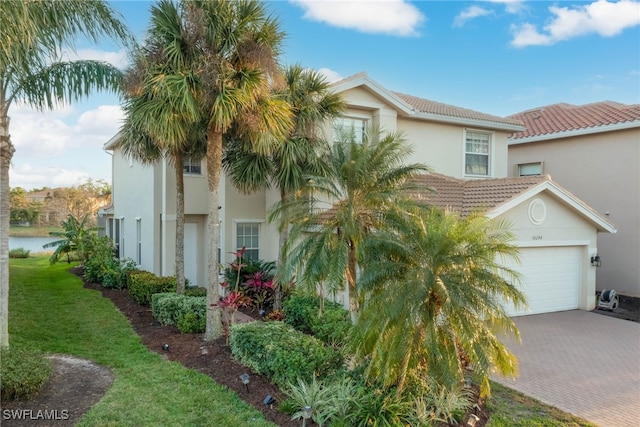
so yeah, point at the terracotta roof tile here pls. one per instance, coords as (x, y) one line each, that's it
(432, 107)
(567, 117)
(468, 196)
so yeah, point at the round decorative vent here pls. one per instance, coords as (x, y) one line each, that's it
(537, 211)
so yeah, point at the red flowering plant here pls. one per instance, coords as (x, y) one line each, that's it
(260, 287)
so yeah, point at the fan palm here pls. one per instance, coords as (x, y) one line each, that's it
(32, 34)
(435, 299)
(225, 84)
(299, 155)
(367, 185)
(157, 125)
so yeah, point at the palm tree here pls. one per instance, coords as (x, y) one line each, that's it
(75, 239)
(227, 82)
(32, 35)
(157, 126)
(301, 154)
(435, 295)
(368, 185)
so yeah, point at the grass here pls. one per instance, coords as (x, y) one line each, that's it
(510, 408)
(17, 231)
(52, 311)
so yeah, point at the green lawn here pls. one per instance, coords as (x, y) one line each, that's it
(15, 231)
(52, 311)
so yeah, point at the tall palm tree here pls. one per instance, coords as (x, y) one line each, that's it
(157, 125)
(435, 295)
(300, 154)
(368, 184)
(228, 83)
(32, 35)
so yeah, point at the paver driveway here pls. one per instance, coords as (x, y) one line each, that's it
(581, 362)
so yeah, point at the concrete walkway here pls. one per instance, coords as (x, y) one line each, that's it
(584, 363)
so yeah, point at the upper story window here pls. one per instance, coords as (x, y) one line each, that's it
(192, 167)
(477, 153)
(349, 126)
(530, 169)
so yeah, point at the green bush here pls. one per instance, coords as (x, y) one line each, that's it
(332, 327)
(195, 291)
(142, 286)
(191, 323)
(172, 309)
(19, 253)
(102, 267)
(281, 353)
(23, 372)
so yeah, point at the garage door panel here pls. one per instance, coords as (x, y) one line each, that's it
(550, 279)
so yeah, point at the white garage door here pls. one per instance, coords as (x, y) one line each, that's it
(550, 279)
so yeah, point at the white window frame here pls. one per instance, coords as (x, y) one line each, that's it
(348, 123)
(191, 167)
(521, 166)
(489, 154)
(139, 241)
(258, 223)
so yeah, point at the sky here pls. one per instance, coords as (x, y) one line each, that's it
(498, 57)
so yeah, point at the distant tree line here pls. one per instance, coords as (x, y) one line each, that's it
(50, 206)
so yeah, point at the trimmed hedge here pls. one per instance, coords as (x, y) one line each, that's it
(142, 286)
(281, 353)
(186, 312)
(301, 312)
(23, 372)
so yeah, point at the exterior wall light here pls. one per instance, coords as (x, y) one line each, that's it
(596, 261)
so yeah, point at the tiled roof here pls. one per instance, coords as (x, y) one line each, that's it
(426, 106)
(467, 196)
(567, 117)
(432, 107)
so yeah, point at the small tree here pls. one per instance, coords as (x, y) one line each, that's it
(76, 239)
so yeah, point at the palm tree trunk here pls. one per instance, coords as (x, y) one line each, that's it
(6, 153)
(284, 233)
(351, 282)
(179, 223)
(214, 167)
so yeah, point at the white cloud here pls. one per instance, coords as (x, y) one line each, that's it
(602, 17)
(330, 75)
(468, 14)
(511, 6)
(118, 59)
(393, 17)
(59, 147)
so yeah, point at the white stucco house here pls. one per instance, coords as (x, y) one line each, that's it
(467, 150)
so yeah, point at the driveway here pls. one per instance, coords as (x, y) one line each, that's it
(584, 363)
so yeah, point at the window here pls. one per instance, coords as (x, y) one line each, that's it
(192, 167)
(139, 241)
(248, 235)
(477, 150)
(530, 169)
(349, 126)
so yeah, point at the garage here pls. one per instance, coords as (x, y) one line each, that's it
(550, 279)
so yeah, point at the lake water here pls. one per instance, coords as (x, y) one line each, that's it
(33, 244)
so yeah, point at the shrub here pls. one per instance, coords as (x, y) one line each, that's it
(23, 372)
(191, 323)
(102, 267)
(302, 312)
(19, 253)
(281, 353)
(195, 291)
(143, 285)
(170, 308)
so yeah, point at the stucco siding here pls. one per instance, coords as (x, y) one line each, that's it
(604, 171)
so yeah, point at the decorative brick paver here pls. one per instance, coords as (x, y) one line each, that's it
(581, 362)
